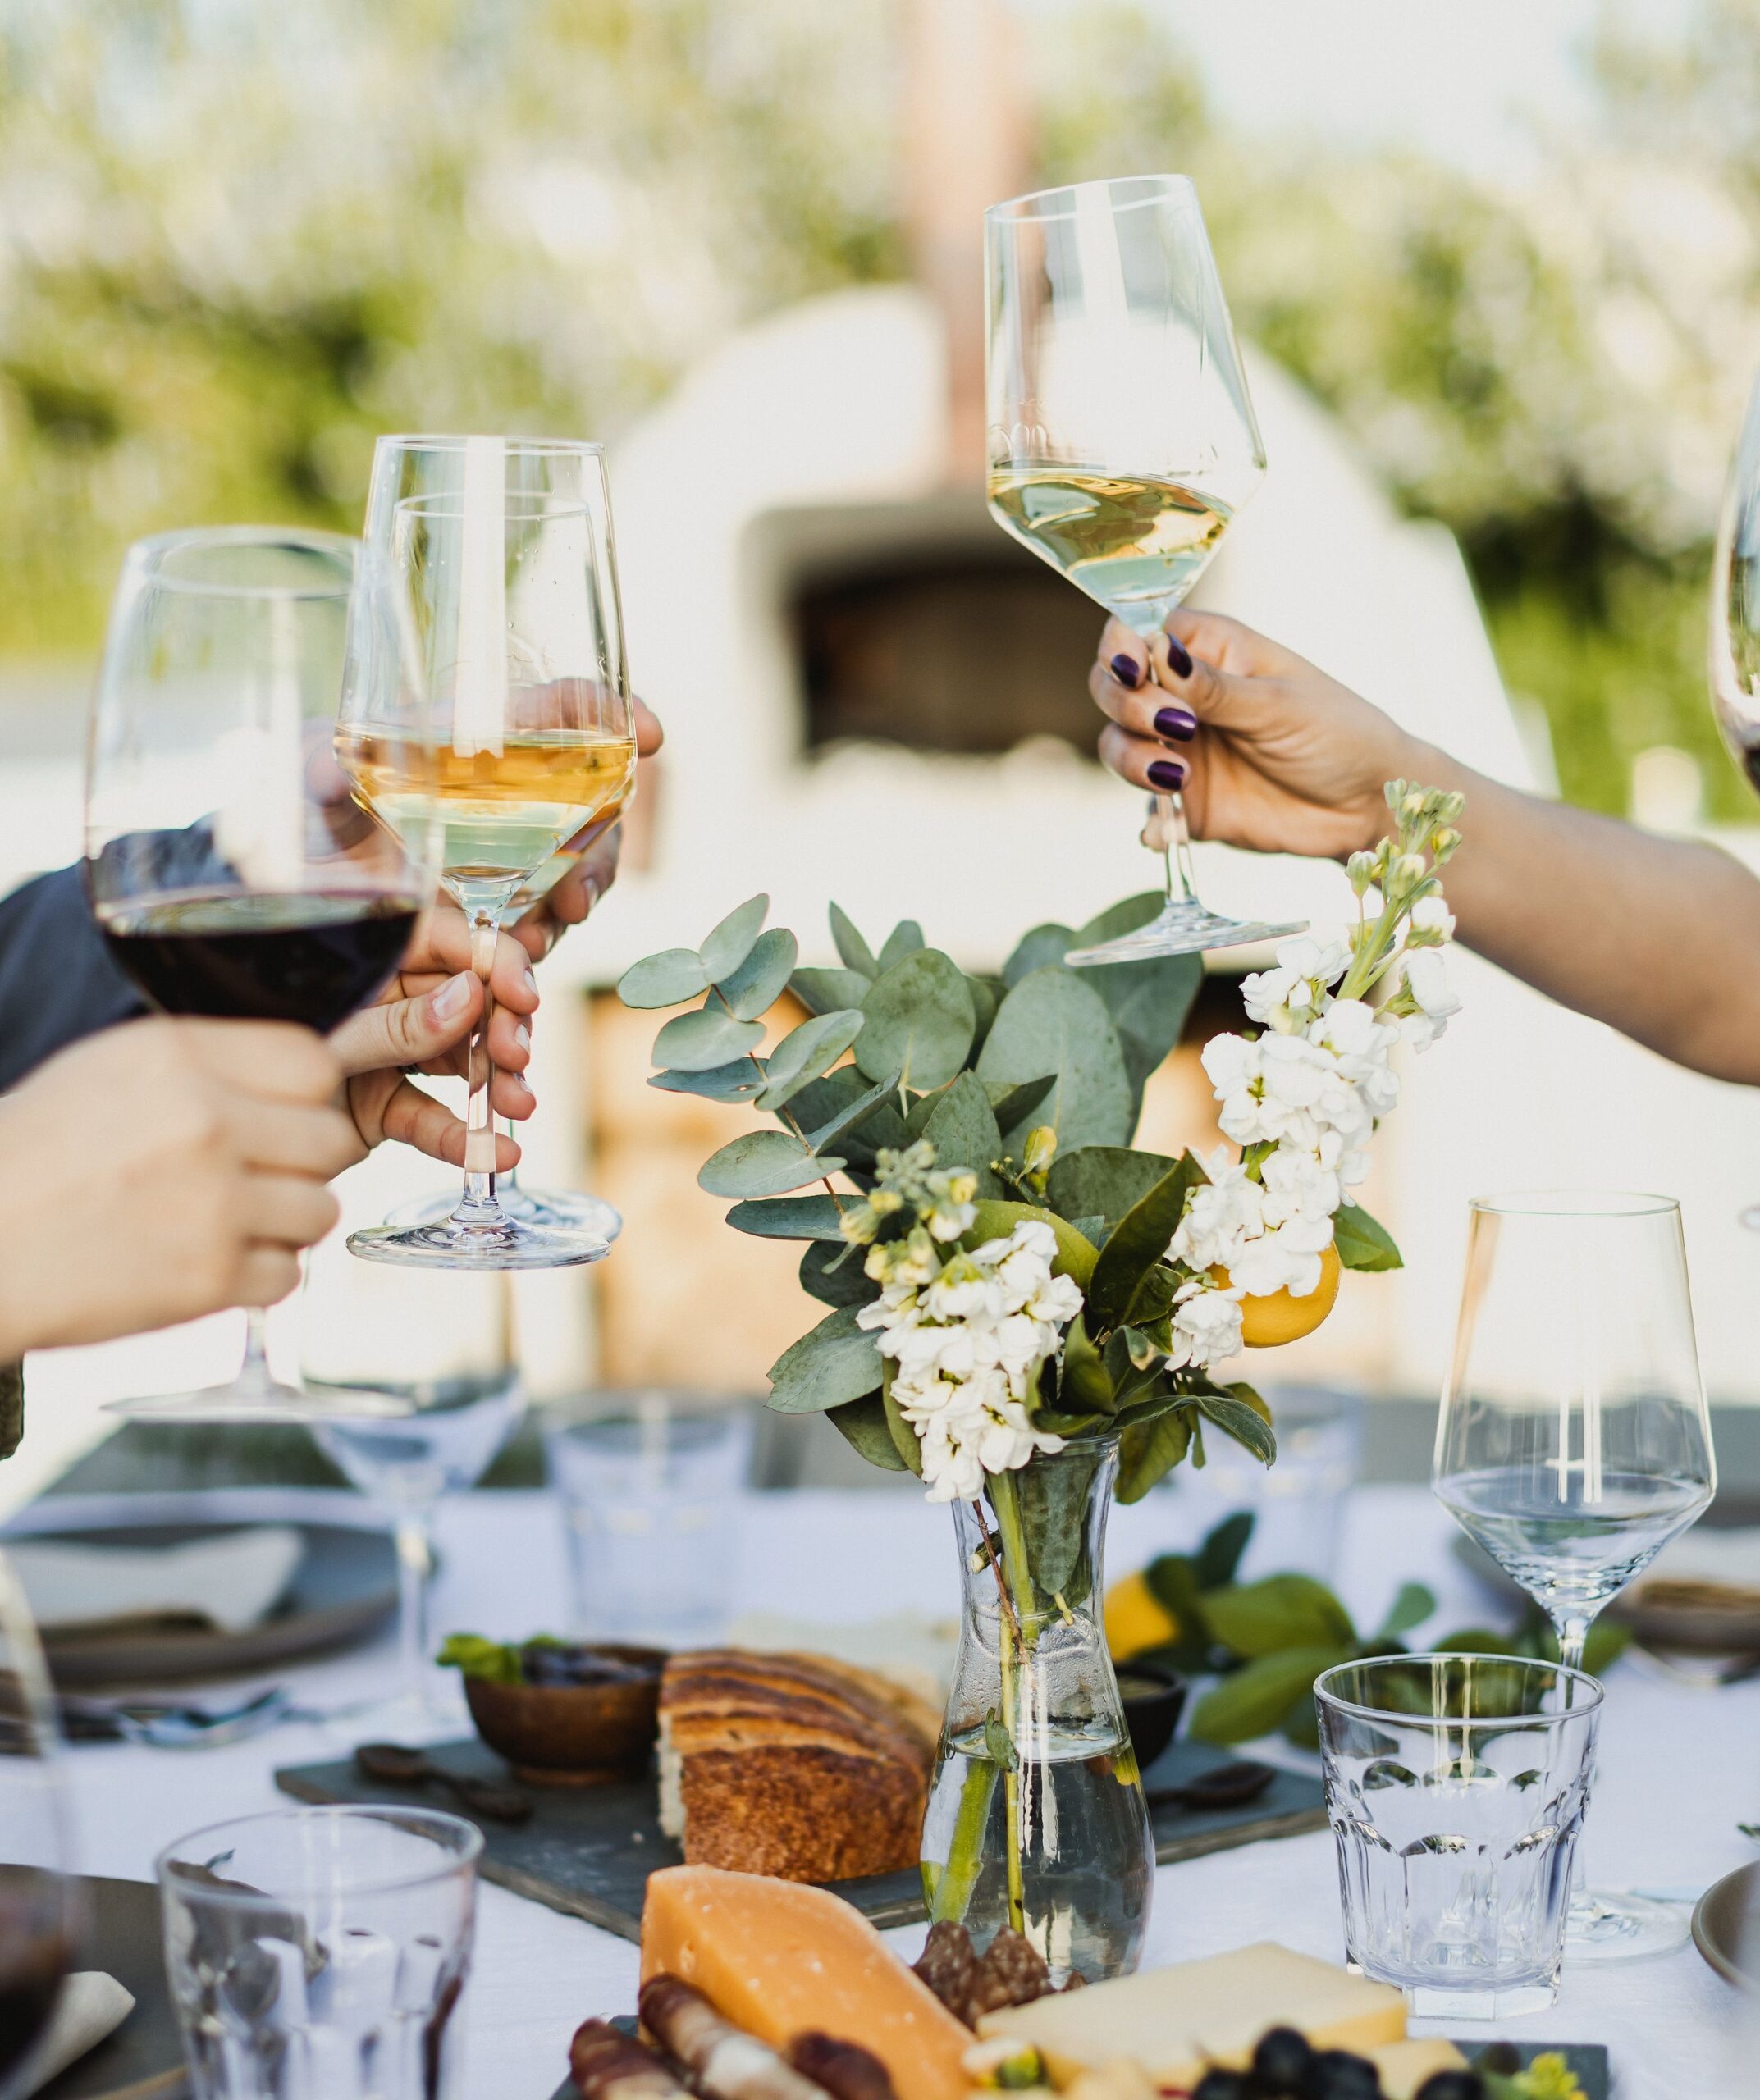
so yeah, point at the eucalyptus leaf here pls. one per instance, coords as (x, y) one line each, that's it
(1412, 1606)
(1148, 1000)
(666, 979)
(761, 980)
(863, 1425)
(962, 1128)
(826, 1101)
(1363, 1242)
(920, 1110)
(1218, 1558)
(1034, 950)
(1013, 1104)
(1244, 1424)
(1136, 1245)
(854, 951)
(1053, 1019)
(789, 1217)
(834, 1275)
(1086, 1388)
(985, 999)
(698, 1041)
(1281, 1611)
(1148, 1450)
(825, 991)
(803, 1054)
(904, 939)
(1093, 1227)
(1106, 1180)
(1053, 1500)
(762, 1163)
(850, 1115)
(738, 1081)
(731, 941)
(837, 1361)
(917, 1022)
(1253, 1700)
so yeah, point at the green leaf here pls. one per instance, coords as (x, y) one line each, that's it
(1172, 1581)
(1257, 1698)
(996, 1220)
(1136, 1245)
(1244, 1424)
(834, 1275)
(803, 1053)
(1410, 1608)
(854, 951)
(1035, 950)
(863, 1425)
(1092, 1227)
(904, 939)
(1219, 1556)
(1133, 1364)
(1053, 1020)
(837, 1362)
(905, 1441)
(1281, 1611)
(1013, 1105)
(698, 1041)
(985, 999)
(1149, 1001)
(998, 1743)
(849, 1115)
(1086, 1388)
(731, 941)
(738, 1081)
(666, 979)
(1149, 1449)
(1052, 1502)
(917, 1022)
(1363, 1242)
(760, 980)
(824, 991)
(792, 1217)
(962, 1128)
(1104, 1180)
(762, 1163)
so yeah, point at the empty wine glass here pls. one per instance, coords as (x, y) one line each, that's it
(1121, 437)
(1574, 1441)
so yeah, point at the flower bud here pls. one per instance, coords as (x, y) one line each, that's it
(1408, 870)
(1450, 808)
(883, 1201)
(1041, 1148)
(1360, 868)
(1411, 802)
(1444, 842)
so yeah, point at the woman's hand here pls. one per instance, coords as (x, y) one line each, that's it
(1270, 752)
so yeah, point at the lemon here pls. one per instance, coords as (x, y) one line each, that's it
(1136, 1619)
(1268, 1322)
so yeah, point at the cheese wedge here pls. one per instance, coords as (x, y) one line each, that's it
(1403, 2067)
(779, 1958)
(1178, 2021)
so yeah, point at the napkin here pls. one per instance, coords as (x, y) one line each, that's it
(231, 1581)
(91, 2007)
(1725, 1559)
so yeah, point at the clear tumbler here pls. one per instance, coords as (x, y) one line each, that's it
(1456, 1786)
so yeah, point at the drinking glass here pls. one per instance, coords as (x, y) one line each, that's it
(441, 1343)
(405, 467)
(230, 869)
(1456, 1786)
(1574, 1441)
(509, 596)
(1121, 439)
(39, 1916)
(321, 1951)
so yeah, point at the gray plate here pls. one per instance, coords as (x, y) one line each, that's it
(143, 2058)
(1718, 1920)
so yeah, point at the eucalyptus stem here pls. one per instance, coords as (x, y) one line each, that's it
(1017, 1635)
(794, 1128)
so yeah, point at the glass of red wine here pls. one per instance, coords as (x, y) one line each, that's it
(39, 1910)
(231, 870)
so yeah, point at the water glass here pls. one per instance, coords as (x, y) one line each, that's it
(318, 1954)
(649, 1483)
(1455, 1786)
(1297, 1505)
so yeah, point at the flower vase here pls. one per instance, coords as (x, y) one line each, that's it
(1036, 1818)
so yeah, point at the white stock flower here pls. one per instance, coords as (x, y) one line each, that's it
(1218, 1215)
(1432, 916)
(1205, 1327)
(1283, 999)
(1426, 981)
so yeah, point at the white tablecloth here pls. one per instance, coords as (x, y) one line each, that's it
(1679, 1769)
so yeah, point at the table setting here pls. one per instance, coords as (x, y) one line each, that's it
(655, 1779)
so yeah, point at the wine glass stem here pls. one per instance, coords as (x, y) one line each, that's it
(253, 1372)
(415, 1564)
(1572, 1629)
(1177, 852)
(479, 1117)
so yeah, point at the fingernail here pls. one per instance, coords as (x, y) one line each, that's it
(531, 981)
(524, 1081)
(451, 1001)
(1126, 670)
(1167, 774)
(1179, 657)
(522, 1036)
(1178, 723)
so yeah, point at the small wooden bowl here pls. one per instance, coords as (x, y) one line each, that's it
(572, 1735)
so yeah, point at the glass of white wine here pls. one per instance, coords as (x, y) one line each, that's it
(1121, 439)
(1574, 1441)
(509, 594)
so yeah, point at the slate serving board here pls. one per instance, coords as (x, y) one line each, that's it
(589, 1851)
(143, 2060)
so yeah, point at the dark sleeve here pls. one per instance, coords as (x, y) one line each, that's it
(56, 980)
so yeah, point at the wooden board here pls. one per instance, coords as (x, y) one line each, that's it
(143, 2060)
(589, 1851)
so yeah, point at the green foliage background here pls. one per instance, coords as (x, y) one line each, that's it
(236, 241)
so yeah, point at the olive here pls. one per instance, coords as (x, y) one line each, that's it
(1452, 2085)
(1221, 2085)
(1337, 2074)
(1281, 2061)
(1501, 2058)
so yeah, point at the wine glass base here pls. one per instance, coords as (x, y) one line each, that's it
(498, 1242)
(560, 1210)
(264, 1401)
(1184, 927)
(1620, 1928)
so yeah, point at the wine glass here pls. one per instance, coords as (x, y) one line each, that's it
(229, 870)
(410, 466)
(1121, 439)
(39, 1910)
(441, 1343)
(509, 592)
(1574, 1441)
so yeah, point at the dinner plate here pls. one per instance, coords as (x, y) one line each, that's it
(143, 2060)
(344, 1589)
(1719, 1919)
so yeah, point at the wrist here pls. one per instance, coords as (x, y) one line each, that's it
(1402, 757)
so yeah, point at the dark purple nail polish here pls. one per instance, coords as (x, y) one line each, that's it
(1167, 774)
(1179, 657)
(1126, 670)
(1179, 724)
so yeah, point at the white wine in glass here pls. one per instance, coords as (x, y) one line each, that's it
(1121, 438)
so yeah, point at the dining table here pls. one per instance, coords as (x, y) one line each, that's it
(1679, 1770)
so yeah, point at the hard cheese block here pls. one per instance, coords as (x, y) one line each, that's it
(779, 1959)
(1175, 2021)
(1403, 2067)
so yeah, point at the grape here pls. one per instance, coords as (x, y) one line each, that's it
(1282, 2060)
(1337, 2074)
(1452, 2085)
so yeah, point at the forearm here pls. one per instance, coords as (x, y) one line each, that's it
(1635, 930)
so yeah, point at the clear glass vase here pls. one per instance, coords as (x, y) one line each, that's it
(1037, 1817)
